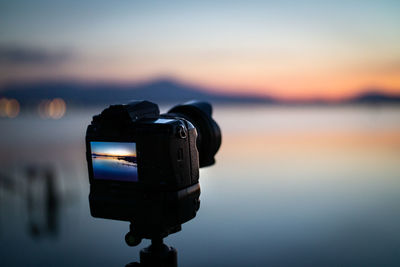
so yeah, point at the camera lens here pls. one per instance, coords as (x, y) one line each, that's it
(208, 132)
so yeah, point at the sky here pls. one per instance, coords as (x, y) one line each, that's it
(113, 148)
(288, 49)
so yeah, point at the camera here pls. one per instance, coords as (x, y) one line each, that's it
(133, 146)
(144, 166)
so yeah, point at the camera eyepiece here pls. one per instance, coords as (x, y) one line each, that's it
(208, 132)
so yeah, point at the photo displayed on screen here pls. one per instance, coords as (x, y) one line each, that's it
(114, 161)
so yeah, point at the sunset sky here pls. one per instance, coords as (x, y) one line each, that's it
(290, 49)
(113, 148)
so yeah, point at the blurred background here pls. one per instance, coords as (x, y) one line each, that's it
(307, 95)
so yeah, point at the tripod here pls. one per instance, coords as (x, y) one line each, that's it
(157, 254)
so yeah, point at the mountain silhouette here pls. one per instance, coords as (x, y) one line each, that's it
(81, 93)
(372, 96)
(161, 91)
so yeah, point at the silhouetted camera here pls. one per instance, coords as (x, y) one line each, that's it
(144, 167)
(134, 146)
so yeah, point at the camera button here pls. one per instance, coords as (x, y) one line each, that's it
(181, 132)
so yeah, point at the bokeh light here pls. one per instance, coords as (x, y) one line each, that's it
(54, 109)
(9, 108)
(3, 103)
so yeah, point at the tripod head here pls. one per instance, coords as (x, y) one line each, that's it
(157, 254)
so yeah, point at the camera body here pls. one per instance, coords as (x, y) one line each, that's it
(144, 166)
(163, 153)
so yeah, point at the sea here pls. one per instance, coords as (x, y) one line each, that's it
(291, 186)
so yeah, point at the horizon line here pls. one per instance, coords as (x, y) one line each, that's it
(223, 91)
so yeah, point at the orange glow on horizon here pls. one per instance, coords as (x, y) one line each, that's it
(304, 86)
(116, 153)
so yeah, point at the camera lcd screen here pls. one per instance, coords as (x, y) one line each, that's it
(114, 161)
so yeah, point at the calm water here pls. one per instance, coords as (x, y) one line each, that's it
(114, 169)
(291, 187)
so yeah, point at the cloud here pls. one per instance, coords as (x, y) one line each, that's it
(23, 55)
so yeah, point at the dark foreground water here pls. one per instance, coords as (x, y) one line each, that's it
(291, 187)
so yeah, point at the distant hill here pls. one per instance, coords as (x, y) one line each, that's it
(374, 97)
(159, 91)
(84, 94)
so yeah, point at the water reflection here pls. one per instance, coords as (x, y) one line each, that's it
(43, 201)
(7, 183)
(295, 187)
(35, 188)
